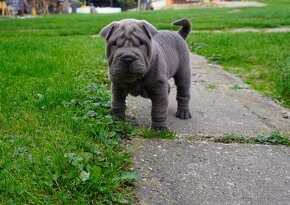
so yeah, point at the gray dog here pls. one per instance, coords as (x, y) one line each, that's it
(142, 60)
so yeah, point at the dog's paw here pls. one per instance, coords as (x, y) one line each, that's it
(119, 114)
(159, 128)
(183, 114)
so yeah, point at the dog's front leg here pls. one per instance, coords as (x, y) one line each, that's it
(159, 98)
(118, 105)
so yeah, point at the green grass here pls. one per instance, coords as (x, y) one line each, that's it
(211, 86)
(164, 134)
(274, 138)
(58, 143)
(260, 59)
(276, 14)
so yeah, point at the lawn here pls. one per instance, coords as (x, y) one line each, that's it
(58, 143)
(276, 14)
(260, 59)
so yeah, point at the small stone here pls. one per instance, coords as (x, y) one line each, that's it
(285, 114)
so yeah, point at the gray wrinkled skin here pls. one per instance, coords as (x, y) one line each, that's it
(142, 60)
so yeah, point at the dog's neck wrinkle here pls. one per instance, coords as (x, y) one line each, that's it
(153, 56)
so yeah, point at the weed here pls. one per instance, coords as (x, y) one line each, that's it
(211, 86)
(274, 138)
(164, 134)
(239, 86)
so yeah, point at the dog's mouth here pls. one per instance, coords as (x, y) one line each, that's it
(127, 77)
(128, 72)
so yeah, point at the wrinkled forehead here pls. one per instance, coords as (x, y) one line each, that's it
(128, 28)
(129, 22)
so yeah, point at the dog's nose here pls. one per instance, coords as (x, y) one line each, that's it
(128, 59)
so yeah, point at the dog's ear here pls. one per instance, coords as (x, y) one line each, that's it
(107, 31)
(149, 29)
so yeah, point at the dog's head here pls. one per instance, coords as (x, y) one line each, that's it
(129, 48)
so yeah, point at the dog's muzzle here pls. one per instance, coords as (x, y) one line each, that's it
(128, 63)
(128, 60)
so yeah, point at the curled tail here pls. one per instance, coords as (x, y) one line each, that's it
(185, 29)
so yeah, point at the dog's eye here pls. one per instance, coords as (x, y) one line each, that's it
(114, 43)
(141, 43)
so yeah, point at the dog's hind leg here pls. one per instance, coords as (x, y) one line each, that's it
(183, 82)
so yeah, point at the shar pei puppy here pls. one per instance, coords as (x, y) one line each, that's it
(142, 60)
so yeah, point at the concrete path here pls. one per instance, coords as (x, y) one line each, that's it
(182, 172)
(220, 104)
